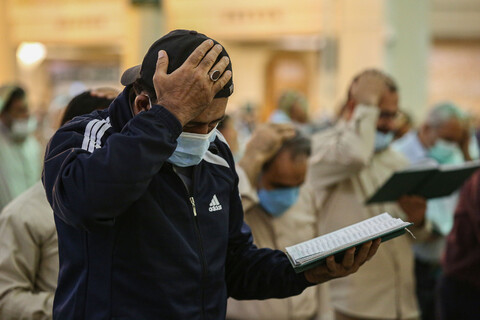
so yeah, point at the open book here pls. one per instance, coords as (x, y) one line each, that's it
(311, 253)
(428, 181)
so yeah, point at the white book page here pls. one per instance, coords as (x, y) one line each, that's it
(327, 244)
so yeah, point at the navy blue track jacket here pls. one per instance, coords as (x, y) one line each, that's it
(133, 243)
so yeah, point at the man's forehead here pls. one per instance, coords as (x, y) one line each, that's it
(287, 169)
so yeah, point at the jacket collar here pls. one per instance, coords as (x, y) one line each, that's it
(120, 111)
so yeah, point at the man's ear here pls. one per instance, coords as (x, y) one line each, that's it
(141, 103)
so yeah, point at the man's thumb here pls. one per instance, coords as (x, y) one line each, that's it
(162, 62)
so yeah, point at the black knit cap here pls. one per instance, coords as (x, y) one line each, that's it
(178, 44)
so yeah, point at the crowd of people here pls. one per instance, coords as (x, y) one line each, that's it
(154, 203)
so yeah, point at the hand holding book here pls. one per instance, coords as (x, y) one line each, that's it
(351, 262)
(343, 242)
(428, 181)
(414, 207)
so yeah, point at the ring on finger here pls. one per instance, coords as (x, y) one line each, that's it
(215, 75)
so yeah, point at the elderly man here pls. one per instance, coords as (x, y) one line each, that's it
(20, 163)
(146, 202)
(442, 139)
(349, 162)
(277, 210)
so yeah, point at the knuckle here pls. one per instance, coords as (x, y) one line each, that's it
(198, 76)
(208, 60)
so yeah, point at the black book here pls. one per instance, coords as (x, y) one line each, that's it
(428, 181)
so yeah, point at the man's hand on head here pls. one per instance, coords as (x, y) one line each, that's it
(188, 90)
(265, 142)
(267, 139)
(369, 88)
(350, 264)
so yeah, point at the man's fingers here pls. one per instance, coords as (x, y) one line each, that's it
(287, 133)
(199, 53)
(162, 63)
(220, 83)
(284, 130)
(374, 248)
(331, 265)
(363, 253)
(349, 258)
(209, 60)
(220, 66)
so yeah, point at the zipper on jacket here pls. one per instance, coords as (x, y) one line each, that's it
(199, 236)
(202, 254)
(192, 201)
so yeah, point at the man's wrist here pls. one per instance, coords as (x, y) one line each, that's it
(180, 117)
(314, 279)
(252, 163)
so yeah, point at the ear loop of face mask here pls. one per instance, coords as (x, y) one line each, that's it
(149, 101)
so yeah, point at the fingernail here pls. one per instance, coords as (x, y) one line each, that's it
(161, 54)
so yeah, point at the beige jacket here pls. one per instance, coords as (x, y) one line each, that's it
(28, 257)
(295, 225)
(344, 171)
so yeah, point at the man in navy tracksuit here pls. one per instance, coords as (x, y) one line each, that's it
(147, 208)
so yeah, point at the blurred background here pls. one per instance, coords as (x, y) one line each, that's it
(57, 48)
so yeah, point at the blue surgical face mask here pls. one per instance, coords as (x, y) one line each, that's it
(277, 201)
(446, 152)
(191, 147)
(382, 140)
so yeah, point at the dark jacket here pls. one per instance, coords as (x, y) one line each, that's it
(133, 243)
(461, 260)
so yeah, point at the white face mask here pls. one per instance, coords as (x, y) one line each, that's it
(191, 147)
(446, 152)
(21, 129)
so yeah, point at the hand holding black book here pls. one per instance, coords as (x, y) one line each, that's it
(429, 181)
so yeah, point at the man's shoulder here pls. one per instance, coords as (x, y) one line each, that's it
(31, 208)
(86, 119)
(86, 131)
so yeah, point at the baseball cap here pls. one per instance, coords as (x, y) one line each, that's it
(178, 44)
